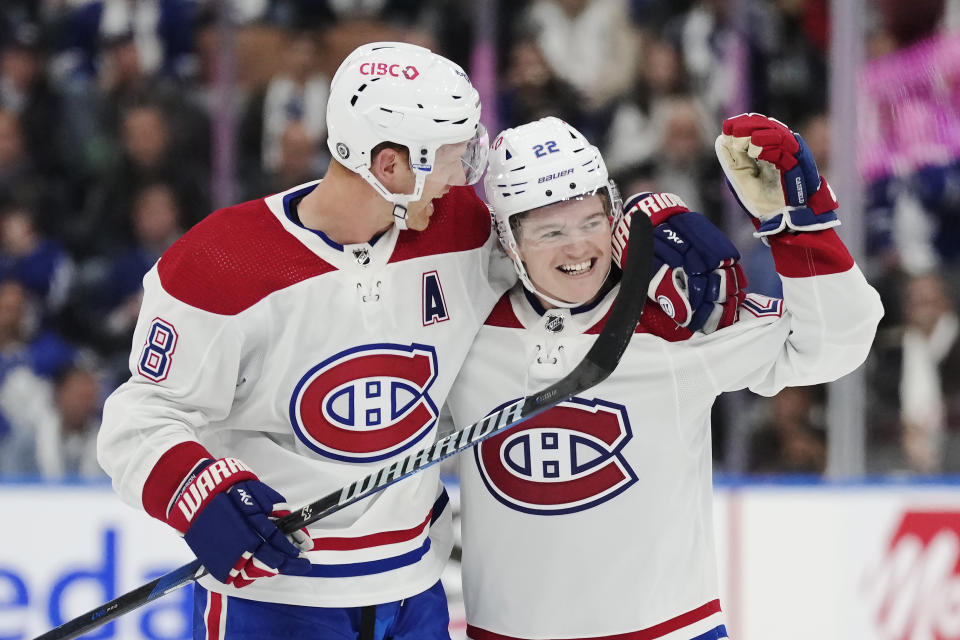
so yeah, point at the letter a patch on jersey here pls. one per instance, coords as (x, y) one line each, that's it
(434, 304)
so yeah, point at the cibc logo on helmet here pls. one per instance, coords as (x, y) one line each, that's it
(383, 69)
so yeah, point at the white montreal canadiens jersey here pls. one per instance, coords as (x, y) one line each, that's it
(594, 518)
(314, 364)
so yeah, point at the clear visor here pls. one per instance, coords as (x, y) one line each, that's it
(474, 157)
(580, 218)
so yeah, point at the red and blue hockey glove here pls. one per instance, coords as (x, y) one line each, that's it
(224, 513)
(697, 281)
(772, 173)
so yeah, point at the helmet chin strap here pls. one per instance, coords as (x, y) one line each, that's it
(528, 284)
(400, 216)
(400, 201)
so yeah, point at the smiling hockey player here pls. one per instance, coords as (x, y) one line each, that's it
(593, 520)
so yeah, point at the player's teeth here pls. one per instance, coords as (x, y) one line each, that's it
(575, 268)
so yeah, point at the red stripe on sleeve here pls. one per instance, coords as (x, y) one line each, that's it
(168, 474)
(813, 253)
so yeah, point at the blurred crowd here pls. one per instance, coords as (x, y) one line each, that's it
(124, 122)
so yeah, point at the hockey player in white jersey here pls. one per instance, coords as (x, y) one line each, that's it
(288, 344)
(593, 519)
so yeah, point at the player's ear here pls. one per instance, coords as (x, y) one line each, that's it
(390, 166)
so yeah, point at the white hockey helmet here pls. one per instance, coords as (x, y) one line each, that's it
(539, 164)
(403, 94)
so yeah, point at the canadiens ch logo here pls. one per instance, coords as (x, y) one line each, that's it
(367, 403)
(564, 460)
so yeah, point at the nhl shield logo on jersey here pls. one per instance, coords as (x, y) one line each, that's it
(367, 403)
(564, 460)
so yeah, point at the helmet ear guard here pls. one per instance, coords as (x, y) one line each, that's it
(536, 165)
(404, 94)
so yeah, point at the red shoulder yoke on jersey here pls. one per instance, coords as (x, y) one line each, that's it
(503, 314)
(460, 222)
(229, 261)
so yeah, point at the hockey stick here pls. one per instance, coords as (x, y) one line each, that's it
(596, 366)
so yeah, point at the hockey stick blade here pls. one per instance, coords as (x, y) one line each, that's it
(596, 366)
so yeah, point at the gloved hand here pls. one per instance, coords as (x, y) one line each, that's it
(772, 173)
(697, 280)
(224, 513)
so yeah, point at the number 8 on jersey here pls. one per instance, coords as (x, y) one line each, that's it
(157, 354)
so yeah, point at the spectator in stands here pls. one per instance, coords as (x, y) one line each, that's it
(816, 132)
(591, 44)
(533, 91)
(156, 225)
(788, 39)
(65, 443)
(20, 180)
(299, 14)
(104, 48)
(23, 339)
(14, 162)
(162, 30)
(104, 305)
(915, 380)
(298, 163)
(297, 94)
(148, 156)
(24, 91)
(24, 398)
(51, 426)
(41, 264)
(26, 367)
(709, 46)
(793, 438)
(633, 138)
(933, 187)
(123, 81)
(682, 160)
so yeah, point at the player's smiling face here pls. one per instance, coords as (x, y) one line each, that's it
(565, 248)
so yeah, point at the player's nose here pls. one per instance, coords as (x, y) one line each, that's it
(576, 247)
